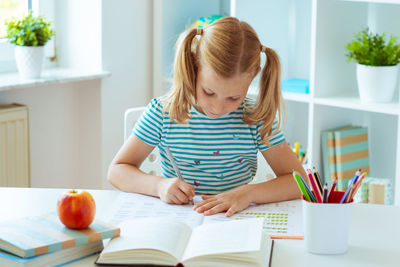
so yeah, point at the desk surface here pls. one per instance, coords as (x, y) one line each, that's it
(374, 234)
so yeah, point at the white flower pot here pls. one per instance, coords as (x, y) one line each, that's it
(29, 61)
(376, 83)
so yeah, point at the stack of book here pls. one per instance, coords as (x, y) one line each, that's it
(45, 241)
(375, 191)
(344, 151)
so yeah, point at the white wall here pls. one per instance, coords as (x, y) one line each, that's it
(77, 128)
(127, 53)
(60, 147)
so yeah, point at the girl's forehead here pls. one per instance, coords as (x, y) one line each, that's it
(212, 81)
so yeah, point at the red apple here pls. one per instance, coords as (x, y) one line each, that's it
(76, 209)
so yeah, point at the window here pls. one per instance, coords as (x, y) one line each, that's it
(18, 8)
(12, 8)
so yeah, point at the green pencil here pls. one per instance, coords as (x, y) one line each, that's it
(301, 186)
(310, 194)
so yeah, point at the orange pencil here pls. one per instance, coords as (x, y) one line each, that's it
(358, 184)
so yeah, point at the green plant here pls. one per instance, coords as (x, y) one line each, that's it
(29, 31)
(372, 50)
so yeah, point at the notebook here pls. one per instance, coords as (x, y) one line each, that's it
(57, 258)
(344, 151)
(163, 241)
(351, 153)
(37, 235)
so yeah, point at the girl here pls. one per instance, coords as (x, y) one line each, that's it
(213, 131)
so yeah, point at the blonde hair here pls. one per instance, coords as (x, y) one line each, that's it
(229, 47)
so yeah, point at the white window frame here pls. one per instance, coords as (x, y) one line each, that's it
(7, 58)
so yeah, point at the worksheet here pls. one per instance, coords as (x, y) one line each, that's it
(130, 206)
(281, 220)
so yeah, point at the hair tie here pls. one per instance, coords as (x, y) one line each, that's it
(263, 48)
(199, 31)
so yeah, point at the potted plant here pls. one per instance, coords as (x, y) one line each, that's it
(29, 35)
(377, 65)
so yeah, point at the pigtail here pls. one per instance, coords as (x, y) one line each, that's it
(182, 96)
(269, 102)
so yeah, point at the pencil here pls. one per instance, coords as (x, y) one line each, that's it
(305, 157)
(325, 200)
(318, 178)
(309, 191)
(177, 171)
(349, 186)
(296, 148)
(314, 186)
(358, 184)
(332, 187)
(301, 186)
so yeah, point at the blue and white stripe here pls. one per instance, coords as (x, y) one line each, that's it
(214, 155)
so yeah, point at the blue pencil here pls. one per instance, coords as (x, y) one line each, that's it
(348, 187)
(325, 198)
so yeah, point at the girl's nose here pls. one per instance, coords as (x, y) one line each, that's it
(218, 108)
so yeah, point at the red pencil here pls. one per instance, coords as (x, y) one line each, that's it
(333, 186)
(314, 186)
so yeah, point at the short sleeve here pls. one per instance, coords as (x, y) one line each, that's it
(275, 139)
(149, 126)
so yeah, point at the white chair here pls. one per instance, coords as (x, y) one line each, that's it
(152, 163)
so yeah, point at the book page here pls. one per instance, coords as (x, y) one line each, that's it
(133, 206)
(151, 233)
(281, 219)
(225, 237)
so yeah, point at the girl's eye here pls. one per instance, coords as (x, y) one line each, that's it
(234, 99)
(208, 93)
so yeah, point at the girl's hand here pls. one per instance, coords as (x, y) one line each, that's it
(175, 191)
(232, 201)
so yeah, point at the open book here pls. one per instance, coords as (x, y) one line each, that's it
(163, 241)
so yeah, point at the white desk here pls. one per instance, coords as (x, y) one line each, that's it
(374, 235)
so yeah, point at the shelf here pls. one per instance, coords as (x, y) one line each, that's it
(354, 103)
(305, 98)
(375, 1)
(9, 81)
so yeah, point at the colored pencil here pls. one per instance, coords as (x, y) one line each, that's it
(333, 186)
(349, 186)
(358, 184)
(318, 178)
(314, 186)
(301, 186)
(309, 191)
(348, 198)
(325, 200)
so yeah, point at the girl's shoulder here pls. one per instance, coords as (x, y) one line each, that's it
(248, 102)
(157, 103)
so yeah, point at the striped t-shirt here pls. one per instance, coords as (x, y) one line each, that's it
(213, 155)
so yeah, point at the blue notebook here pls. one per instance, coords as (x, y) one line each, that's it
(58, 258)
(37, 235)
(296, 86)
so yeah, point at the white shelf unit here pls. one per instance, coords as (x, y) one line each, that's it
(310, 37)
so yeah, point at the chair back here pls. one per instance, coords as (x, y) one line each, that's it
(152, 163)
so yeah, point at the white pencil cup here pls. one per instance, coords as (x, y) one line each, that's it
(326, 225)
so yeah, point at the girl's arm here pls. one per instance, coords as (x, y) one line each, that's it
(282, 160)
(124, 174)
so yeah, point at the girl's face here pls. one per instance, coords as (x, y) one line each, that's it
(216, 96)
